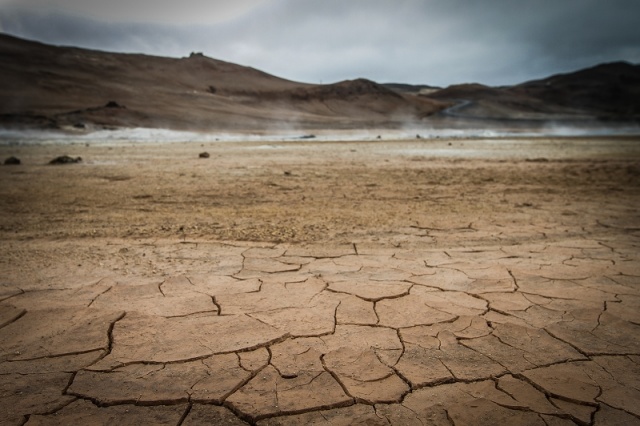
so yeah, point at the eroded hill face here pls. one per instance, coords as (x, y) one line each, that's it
(65, 88)
(609, 90)
(62, 87)
(604, 92)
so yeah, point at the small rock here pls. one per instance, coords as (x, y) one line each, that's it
(287, 173)
(204, 155)
(65, 159)
(12, 161)
(113, 104)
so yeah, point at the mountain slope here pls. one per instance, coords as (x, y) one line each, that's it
(607, 92)
(65, 87)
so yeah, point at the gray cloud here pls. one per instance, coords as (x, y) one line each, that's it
(187, 12)
(437, 42)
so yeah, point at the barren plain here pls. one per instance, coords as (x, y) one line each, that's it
(404, 282)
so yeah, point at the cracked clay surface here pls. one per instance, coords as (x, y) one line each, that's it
(527, 315)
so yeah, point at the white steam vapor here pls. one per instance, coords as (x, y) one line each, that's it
(148, 135)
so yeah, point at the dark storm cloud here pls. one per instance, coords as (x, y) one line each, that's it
(418, 41)
(69, 30)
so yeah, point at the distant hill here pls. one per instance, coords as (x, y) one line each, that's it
(608, 90)
(67, 88)
(605, 92)
(43, 86)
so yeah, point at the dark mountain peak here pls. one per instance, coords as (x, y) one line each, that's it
(360, 86)
(612, 73)
(618, 66)
(346, 90)
(465, 91)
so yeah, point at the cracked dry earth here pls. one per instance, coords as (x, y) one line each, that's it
(511, 319)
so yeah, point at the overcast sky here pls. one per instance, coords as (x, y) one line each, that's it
(436, 42)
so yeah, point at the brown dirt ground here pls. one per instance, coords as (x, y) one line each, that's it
(309, 192)
(390, 282)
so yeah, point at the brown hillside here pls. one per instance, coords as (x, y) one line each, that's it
(61, 87)
(608, 91)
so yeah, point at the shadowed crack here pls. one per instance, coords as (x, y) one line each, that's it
(72, 377)
(57, 408)
(185, 414)
(22, 313)
(506, 368)
(217, 305)
(12, 295)
(394, 372)
(96, 298)
(539, 301)
(110, 337)
(382, 416)
(243, 382)
(550, 394)
(571, 417)
(585, 354)
(599, 317)
(336, 378)
(528, 409)
(446, 412)
(373, 299)
(515, 281)
(375, 311)
(190, 314)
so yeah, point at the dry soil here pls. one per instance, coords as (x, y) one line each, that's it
(463, 281)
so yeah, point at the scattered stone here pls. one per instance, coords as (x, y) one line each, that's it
(537, 160)
(113, 104)
(65, 159)
(12, 161)
(204, 155)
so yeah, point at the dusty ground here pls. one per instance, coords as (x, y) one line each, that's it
(402, 282)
